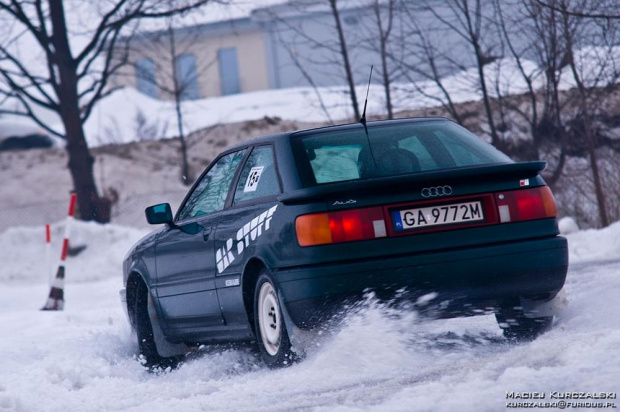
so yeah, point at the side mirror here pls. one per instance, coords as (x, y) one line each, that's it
(158, 214)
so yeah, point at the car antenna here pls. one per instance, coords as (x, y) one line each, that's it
(363, 118)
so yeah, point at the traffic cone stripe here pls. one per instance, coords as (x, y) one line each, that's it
(65, 249)
(57, 294)
(56, 297)
(58, 283)
(53, 304)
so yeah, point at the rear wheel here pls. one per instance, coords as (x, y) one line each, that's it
(271, 333)
(144, 331)
(516, 326)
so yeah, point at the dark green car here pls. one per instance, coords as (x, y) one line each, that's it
(280, 231)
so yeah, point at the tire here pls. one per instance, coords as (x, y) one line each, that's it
(517, 327)
(144, 331)
(271, 334)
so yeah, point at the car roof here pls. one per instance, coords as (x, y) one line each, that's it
(348, 126)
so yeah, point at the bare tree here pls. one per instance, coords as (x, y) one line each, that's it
(602, 57)
(379, 40)
(308, 77)
(316, 53)
(598, 9)
(419, 58)
(71, 81)
(345, 56)
(565, 47)
(530, 30)
(466, 19)
(166, 47)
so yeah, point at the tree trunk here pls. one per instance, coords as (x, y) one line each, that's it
(185, 166)
(178, 92)
(587, 124)
(386, 86)
(474, 39)
(90, 206)
(345, 58)
(485, 97)
(383, 40)
(598, 185)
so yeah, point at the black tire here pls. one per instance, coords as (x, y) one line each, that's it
(517, 327)
(271, 334)
(144, 331)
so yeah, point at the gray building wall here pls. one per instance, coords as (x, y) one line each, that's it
(296, 44)
(300, 32)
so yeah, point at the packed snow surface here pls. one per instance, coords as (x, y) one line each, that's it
(378, 359)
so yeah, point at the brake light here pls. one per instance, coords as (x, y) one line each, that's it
(338, 227)
(526, 204)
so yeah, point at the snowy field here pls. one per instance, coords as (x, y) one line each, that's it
(84, 359)
(116, 118)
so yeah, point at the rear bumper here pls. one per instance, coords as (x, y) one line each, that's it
(462, 279)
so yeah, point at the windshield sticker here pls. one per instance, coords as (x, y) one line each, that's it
(253, 178)
(246, 235)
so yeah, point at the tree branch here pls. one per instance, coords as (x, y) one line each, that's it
(579, 13)
(30, 114)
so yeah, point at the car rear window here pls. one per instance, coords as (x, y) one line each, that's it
(391, 150)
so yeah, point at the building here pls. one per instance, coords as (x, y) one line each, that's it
(285, 45)
(213, 59)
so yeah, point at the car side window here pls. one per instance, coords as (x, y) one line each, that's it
(211, 192)
(258, 177)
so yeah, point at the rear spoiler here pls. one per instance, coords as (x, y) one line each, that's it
(520, 170)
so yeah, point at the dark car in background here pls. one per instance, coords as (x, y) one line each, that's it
(280, 231)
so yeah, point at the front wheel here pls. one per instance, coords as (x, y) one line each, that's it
(273, 340)
(144, 332)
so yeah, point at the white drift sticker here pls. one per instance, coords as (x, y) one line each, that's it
(247, 234)
(253, 178)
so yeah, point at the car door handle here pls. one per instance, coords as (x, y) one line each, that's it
(205, 233)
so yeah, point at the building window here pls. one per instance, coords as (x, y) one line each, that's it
(145, 77)
(187, 77)
(229, 71)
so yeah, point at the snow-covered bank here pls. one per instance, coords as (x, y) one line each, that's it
(118, 117)
(23, 255)
(381, 359)
(595, 244)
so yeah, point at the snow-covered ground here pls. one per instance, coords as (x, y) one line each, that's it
(117, 118)
(379, 359)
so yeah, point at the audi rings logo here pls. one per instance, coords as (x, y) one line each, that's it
(436, 191)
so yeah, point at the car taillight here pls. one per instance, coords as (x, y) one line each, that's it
(343, 226)
(526, 204)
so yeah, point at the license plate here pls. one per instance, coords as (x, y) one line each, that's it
(437, 215)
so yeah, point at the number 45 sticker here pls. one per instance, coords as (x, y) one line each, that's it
(253, 178)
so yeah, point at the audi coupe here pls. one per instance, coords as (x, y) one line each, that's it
(280, 231)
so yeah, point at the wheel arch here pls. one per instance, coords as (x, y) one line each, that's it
(134, 279)
(249, 277)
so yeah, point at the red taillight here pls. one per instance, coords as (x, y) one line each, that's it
(338, 227)
(526, 204)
